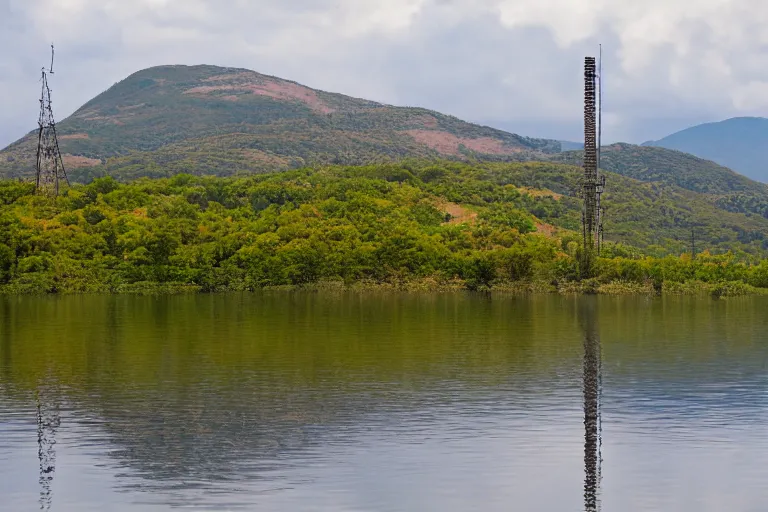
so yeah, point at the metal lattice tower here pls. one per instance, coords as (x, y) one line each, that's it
(593, 184)
(50, 166)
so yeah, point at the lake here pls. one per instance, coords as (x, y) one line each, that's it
(383, 402)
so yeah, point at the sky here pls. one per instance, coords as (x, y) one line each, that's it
(511, 64)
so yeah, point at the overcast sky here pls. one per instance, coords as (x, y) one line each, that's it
(512, 64)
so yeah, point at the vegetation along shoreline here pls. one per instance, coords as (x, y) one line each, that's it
(415, 226)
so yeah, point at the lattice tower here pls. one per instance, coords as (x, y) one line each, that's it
(593, 184)
(50, 166)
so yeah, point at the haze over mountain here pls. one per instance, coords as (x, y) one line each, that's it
(208, 119)
(740, 143)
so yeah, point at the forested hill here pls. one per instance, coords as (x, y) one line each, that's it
(449, 224)
(721, 186)
(208, 120)
(225, 120)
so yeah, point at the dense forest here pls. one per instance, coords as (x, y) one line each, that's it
(408, 225)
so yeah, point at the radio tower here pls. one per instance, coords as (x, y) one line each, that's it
(593, 184)
(50, 166)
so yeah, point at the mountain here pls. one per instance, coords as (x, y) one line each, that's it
(208, 119)
(740, 143)
(567, 145)
(724, 188)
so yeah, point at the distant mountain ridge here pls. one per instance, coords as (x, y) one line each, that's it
(740, 143)
(567, 145)
(231, 120)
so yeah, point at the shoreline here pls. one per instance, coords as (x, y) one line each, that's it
(423, 285)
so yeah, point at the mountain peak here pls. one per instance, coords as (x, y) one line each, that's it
(223, 120)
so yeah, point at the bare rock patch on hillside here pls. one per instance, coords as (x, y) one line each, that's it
(252, 83)
(449, 144)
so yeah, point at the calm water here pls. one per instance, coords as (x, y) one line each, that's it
(309, 402)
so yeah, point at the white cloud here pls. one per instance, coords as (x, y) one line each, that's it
(511, 63)
(751, 96)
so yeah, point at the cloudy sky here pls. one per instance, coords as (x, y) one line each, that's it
(512, 64)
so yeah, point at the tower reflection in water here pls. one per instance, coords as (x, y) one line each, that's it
(592, 419)
(48, 422)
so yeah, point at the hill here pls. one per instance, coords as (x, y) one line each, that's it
(740, 143)
(442, 224)
(725, 189)
(205, 119)
(567, 145)
(646, 163)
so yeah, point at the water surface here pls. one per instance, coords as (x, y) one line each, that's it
(324, 402)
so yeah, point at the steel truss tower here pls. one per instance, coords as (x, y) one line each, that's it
(50, 166)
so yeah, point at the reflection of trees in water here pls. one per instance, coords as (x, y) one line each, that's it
(48, 421)
(592, 387)
(209, 436)
(205, 393)
(5, 337)
(218, 436)
(210, 389)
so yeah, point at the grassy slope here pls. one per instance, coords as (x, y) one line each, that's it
(175, 107)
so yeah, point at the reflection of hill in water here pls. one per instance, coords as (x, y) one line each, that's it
(210, 388)
(194, 390)
(215, 435)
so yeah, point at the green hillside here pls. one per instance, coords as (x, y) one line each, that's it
(212, 121)
(433, 224)
(668, 166)
(740, 143)
(245, 121)
(719, 185)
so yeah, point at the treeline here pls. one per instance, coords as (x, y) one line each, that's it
(386, 225)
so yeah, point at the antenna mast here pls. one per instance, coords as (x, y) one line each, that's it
(599, 105)
(592, 184)
(50, 166)
(600, 179)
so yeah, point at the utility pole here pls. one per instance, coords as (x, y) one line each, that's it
(50, 166)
